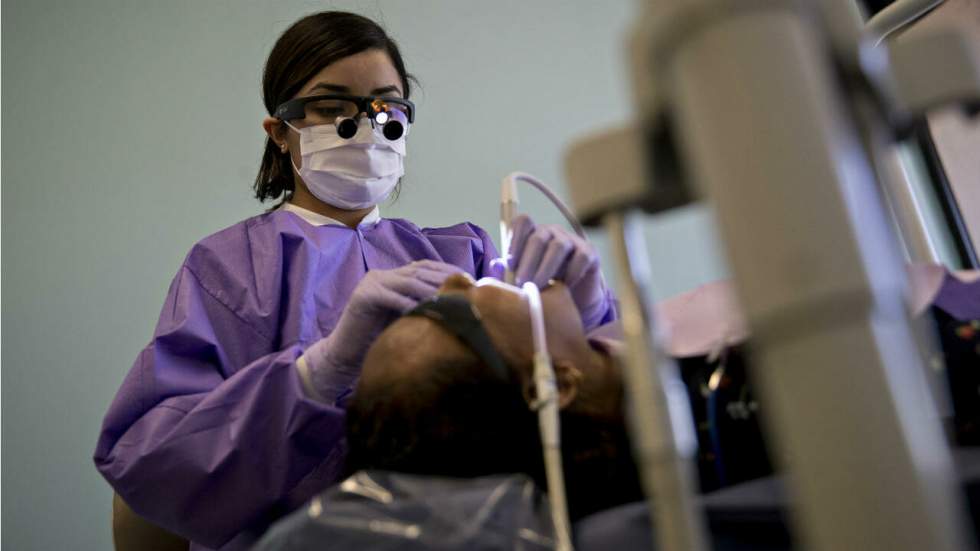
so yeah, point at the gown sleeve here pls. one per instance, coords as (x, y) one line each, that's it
(488, 264)
(467, 246)
(211, 434)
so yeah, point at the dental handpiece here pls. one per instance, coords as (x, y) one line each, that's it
(508, 210)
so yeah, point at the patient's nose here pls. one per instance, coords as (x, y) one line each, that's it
(457, 283)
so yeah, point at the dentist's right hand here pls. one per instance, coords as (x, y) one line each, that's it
(542, 253)
(334, 362)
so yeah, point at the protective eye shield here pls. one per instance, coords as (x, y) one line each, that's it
(458, 316)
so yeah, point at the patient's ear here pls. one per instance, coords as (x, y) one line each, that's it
(568, 378)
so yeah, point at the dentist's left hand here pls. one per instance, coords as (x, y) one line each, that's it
(334, 362)
(543, 253)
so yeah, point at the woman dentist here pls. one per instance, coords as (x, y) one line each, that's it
(233, 413)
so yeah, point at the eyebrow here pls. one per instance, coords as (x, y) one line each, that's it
(340, 89)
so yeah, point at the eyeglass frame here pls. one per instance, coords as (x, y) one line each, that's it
(296, 108)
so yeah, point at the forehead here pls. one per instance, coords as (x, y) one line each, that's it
(490, 295)
(506, 316)
(492, 292)
(361, 72)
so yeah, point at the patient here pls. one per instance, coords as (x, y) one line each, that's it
(425, 404)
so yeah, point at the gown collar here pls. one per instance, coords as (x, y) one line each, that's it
(317, 219)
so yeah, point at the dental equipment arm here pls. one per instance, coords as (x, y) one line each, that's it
(814, 263)
(897, 16)
(546, 404)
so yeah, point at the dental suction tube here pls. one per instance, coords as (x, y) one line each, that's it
(546, 403)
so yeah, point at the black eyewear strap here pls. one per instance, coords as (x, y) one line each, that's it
(458, 316)
(296, 108)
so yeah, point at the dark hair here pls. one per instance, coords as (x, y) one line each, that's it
(308, 46)
(458, 420)
(442, 423)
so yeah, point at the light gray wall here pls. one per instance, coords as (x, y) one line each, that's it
(131, 130)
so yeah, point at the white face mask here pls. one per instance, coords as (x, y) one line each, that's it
(352, 173)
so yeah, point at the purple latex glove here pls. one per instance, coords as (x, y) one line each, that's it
(543, 253)
(334, 361)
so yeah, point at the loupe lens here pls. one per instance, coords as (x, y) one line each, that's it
(393, 130)
(346, 128)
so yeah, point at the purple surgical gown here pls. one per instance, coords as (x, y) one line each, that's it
(211, 435)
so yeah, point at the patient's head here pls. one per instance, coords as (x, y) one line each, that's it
(426, 404)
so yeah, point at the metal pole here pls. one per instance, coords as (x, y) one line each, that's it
(659, 412)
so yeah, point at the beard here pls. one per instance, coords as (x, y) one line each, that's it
(600, 472)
